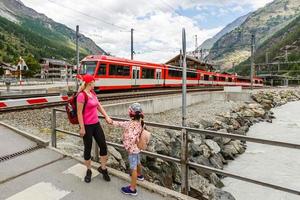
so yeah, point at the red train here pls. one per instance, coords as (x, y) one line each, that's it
(113, 73)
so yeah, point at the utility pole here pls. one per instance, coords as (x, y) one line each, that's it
(77, 56)
(267, 62)
(201, 54)
(131, 44)
(196, 47)
(252, 59)
(184, 135)
(233, 67)
(286, 54)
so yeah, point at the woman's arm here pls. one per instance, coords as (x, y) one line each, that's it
(103, 112)
(80, 118)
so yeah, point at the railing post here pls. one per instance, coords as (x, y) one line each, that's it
(53, 128)
(184, 137)
(184, 162)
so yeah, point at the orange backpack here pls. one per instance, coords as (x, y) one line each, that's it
(144, 139)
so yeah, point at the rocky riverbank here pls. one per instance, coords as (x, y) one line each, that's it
(226, 117)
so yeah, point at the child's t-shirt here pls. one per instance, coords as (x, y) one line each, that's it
(132, 131)
(90, 112)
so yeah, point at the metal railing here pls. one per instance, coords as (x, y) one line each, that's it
(186, 162)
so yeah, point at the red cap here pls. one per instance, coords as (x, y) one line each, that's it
(87, 78)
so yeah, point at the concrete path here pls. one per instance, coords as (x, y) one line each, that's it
(47, 174)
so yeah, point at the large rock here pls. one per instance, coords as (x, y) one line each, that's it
(200, 183)
(219, 194)
(213, 146)
(205, 151)
(238, 145)
(161, 148)
(195, 149)
(215, 180)
(259, 112)
(229, 151)
(112, 151)
(216, 161)
(206, 123)
(247, 113)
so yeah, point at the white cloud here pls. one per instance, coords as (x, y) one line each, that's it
(157, 35)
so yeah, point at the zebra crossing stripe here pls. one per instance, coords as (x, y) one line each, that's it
(79, 171)
(42, 190)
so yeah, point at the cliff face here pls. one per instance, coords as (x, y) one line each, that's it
(264, 23)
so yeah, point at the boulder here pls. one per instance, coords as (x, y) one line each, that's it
(201, 184)
(205, 151)
(215, 180)
(113, 152)
(213, 146)
(219, 194)
(216, 161)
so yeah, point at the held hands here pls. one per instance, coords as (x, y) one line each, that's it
(108, 120)
(82, 131)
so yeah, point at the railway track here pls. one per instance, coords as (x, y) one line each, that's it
(22, 96)
(110, 97)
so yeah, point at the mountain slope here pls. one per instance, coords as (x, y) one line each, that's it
(26, 31)
(207, 44)
(235, 45)
(289, 37)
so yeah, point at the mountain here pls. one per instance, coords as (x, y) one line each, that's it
(235, 45)
(24, 31)
(283, 46)
(207, 44)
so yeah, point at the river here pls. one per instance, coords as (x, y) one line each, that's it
(276, 165)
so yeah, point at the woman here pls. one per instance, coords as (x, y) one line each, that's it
(90, 127)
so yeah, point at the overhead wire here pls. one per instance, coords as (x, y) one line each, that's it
(88, 15)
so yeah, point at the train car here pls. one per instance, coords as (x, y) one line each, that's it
(173, 76)
(113, 73)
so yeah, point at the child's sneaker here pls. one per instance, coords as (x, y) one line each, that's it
(140, 177)
(127, 190)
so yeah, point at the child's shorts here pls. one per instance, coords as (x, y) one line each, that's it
(134, 160)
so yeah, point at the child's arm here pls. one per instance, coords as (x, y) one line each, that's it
(120, 124)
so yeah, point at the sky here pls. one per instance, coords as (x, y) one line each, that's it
(157, 24)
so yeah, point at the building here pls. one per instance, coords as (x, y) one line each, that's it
(191, 62)
(55, 69)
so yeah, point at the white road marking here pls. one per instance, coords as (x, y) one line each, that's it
(42, 190)
(79, 171)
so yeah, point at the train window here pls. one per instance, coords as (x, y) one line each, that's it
(147, 73)
(221, 78)
(175, 73)
(229, 79)
(102, 69)
(214, 78)
(206, 77)
(256, 81)
(191, 74)
(119, 70)
(88, 67)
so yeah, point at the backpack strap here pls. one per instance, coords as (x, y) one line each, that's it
(86, 98)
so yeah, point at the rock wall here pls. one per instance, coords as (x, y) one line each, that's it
(211, 151)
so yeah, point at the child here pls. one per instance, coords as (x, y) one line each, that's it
(132, 131)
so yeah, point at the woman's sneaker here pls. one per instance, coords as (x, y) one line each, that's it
(127, 190)
(88, 176)
(104, 174)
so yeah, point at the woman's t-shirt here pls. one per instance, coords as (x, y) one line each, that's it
(90, 112)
